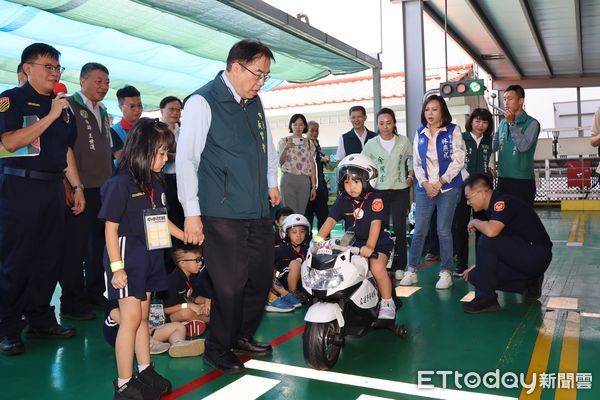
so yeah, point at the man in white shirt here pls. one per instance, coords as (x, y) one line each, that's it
(84, 233)
(354, 140)
(226, 175)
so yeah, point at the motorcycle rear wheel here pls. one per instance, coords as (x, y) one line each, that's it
(319, 340)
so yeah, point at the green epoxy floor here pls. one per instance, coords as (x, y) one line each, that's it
(441, 337)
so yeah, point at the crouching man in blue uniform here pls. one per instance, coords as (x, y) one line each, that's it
(514, 249)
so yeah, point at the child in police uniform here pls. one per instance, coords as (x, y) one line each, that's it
(183, 303)
(136, 231)
(290, 254)
(364, 213)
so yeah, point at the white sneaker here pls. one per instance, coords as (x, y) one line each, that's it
(187, 348)
(387, 309)
(399, 274)
(445, 281)
(157, 347)
(410, 278)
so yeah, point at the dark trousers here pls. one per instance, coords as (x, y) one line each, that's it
(507, 263)
(174, 206)
(84, 248)
(523, 189)
(239, 258)
(318, 207)
(32, 224)
(398, 203)
(460, 235)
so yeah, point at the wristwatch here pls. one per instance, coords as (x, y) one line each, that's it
(78, 186)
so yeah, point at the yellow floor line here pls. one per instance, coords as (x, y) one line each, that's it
(541, 353)
(581, 230)
(569, 359)
(573, 232)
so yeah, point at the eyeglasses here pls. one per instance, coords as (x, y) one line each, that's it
(259, 77)
(49, 67)
(197, 259)
(177, 110)
(473, 194)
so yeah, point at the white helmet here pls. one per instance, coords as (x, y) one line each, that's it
(360, 167)
(295, 220)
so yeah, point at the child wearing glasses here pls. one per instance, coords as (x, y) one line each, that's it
(188, 296)
(137, 231)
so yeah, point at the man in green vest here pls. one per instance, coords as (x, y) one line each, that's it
(84, 233)
(516, 140)
(226, 175)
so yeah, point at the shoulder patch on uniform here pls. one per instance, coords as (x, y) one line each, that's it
(377, 205)
(498, 206)
(4, 104)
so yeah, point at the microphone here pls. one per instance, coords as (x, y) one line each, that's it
(58, 89)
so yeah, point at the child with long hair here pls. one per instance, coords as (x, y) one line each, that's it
(136, 231)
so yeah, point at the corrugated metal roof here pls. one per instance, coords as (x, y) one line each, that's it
(527, 40)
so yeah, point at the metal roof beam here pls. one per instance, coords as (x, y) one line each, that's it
(536, 35)
(273, 16)
(438, 19)
(577, 6)
(487, 25)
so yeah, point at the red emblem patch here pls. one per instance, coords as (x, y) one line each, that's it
(377, 205)
(4, 104)
(498, 206)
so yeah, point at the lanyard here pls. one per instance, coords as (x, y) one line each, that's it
(356, 212)
(151, 194)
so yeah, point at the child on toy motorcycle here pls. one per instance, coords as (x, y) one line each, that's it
(363, 212)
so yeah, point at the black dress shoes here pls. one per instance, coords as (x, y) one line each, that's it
(481, 305)
(226, 362)
(534, 288)
(251, 347)
(11, 346)
(52, 332)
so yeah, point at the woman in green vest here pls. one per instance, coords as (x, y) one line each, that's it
(478, 160)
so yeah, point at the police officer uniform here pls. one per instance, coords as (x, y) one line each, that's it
(32, 201)
(358, 215)
(521, 253)
(123, 202)
(284, 255)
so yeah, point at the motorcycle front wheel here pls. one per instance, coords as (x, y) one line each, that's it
(321, 350)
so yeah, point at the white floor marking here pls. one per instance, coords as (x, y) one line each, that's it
(406, 291)
(469, 296)
(367, 397)
(565, 303)
(248, 387)
(590, 314)
(371, 383)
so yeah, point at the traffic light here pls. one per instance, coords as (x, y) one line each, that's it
(468, 87)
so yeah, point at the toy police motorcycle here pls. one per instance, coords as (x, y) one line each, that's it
(345, 300)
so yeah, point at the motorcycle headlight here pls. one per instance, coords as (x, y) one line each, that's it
(322, 279)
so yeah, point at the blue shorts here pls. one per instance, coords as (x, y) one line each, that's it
(145, 269)
(384, 245)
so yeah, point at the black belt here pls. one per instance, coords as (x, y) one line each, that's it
(28, 173)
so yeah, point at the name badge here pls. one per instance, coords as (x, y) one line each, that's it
(156, 225)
